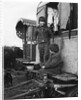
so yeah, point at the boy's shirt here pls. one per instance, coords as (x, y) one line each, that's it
(43, 34)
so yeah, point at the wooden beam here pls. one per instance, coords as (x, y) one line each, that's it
(26, 82)
(26, 93)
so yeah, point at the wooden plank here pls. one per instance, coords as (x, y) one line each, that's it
(66, 76)
(26, 93)
(65, 34)
(63, 85)
(26, 82)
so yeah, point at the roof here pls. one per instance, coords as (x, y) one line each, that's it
(21, 26)
(41, 4)
(28, 22)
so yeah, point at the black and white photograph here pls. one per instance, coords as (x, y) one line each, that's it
(40, 51)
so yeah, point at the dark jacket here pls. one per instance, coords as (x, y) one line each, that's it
(53, 60)
(43, 33)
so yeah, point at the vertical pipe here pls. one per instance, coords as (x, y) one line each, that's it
(46, 15)
(31, 42)
(23, 48)
(70, 20)
(25, 43)
(24, 40)
(59, 26)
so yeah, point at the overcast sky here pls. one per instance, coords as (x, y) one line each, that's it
(13, 11)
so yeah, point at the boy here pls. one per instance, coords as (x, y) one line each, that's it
(43, 35)
(54, 63)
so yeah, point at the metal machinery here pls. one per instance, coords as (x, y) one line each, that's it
(65, 31)
(25, 30)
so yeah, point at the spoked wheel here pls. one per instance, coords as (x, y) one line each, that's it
(73, 92)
